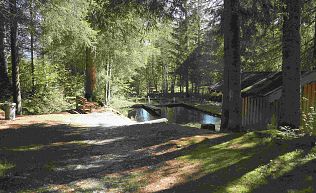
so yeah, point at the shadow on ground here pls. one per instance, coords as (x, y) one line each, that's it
(62, 158)
(43, 155)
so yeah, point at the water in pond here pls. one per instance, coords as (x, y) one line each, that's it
(180, 115)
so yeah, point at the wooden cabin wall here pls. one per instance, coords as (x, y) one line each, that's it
(258, 112)
(308, 97)
(255, 113)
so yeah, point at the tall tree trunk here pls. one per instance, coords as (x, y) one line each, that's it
(314, 51)
(108, 81)
(32, 46)
(15, 59)
(187, 82)
(165, 79)
(231, 109)
(90, 83)
(4, 76)
(291, 65)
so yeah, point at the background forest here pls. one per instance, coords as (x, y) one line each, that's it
(107, 49)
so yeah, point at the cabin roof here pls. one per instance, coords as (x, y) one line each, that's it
(247, 79)
(273, 83)
(264, 83)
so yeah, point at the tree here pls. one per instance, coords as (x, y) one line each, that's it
(4, 76)
(231, 109)
(90, 83)
(15, 58)
(291, 68)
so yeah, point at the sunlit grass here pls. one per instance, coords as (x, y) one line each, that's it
(33, 147)
(122, 105)
(37, 147)
(5, 167)
(125, 183)
(219, 156)
(209, 107)
(273, 170)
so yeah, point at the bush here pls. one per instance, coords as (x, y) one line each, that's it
(53, 83)
(50, 101)
(309, 121)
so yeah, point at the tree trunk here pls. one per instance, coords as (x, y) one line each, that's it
(32, 47)
(187, 82)
(291, 66)
(4, 76)
(231, 109)
(90, 83)
(314, 51)
(165, 79)
(108, 81)
(14, 58)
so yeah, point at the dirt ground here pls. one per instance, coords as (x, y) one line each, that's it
(104, 152)
(86, 153)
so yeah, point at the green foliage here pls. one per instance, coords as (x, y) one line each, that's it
(52, 101)
(309, 121)
(4, 167)
(273, 124)
(53, 83)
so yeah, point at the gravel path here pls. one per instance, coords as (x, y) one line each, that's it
(81, 151)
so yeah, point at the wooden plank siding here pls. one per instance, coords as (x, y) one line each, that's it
(254, 113)
(257, 112)
(309, 93)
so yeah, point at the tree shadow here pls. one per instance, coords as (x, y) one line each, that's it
(61, 154)
(221, 179)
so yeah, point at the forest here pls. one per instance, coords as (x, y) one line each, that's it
(157, 96)
(104, 50)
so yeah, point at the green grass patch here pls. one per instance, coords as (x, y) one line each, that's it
(33, 147)
(122, 105)
(273, 170)
(242, 151)
(210, 107)
(193, 125)
(223, 155)
(5, 167)
(125, 183)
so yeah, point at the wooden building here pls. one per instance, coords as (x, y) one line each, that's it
(261, 96)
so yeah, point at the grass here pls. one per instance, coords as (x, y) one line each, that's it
(37, 147)
(240, 152)
(278, 167)
(208, 107)
(227, 153)
(122, 105)
(5, 167)
(125, 183)
(33, 147)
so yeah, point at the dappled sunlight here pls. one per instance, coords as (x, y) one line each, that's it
(178, 144)
(171, 173)
(227, 153)
(276, 168)
(34, 147)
